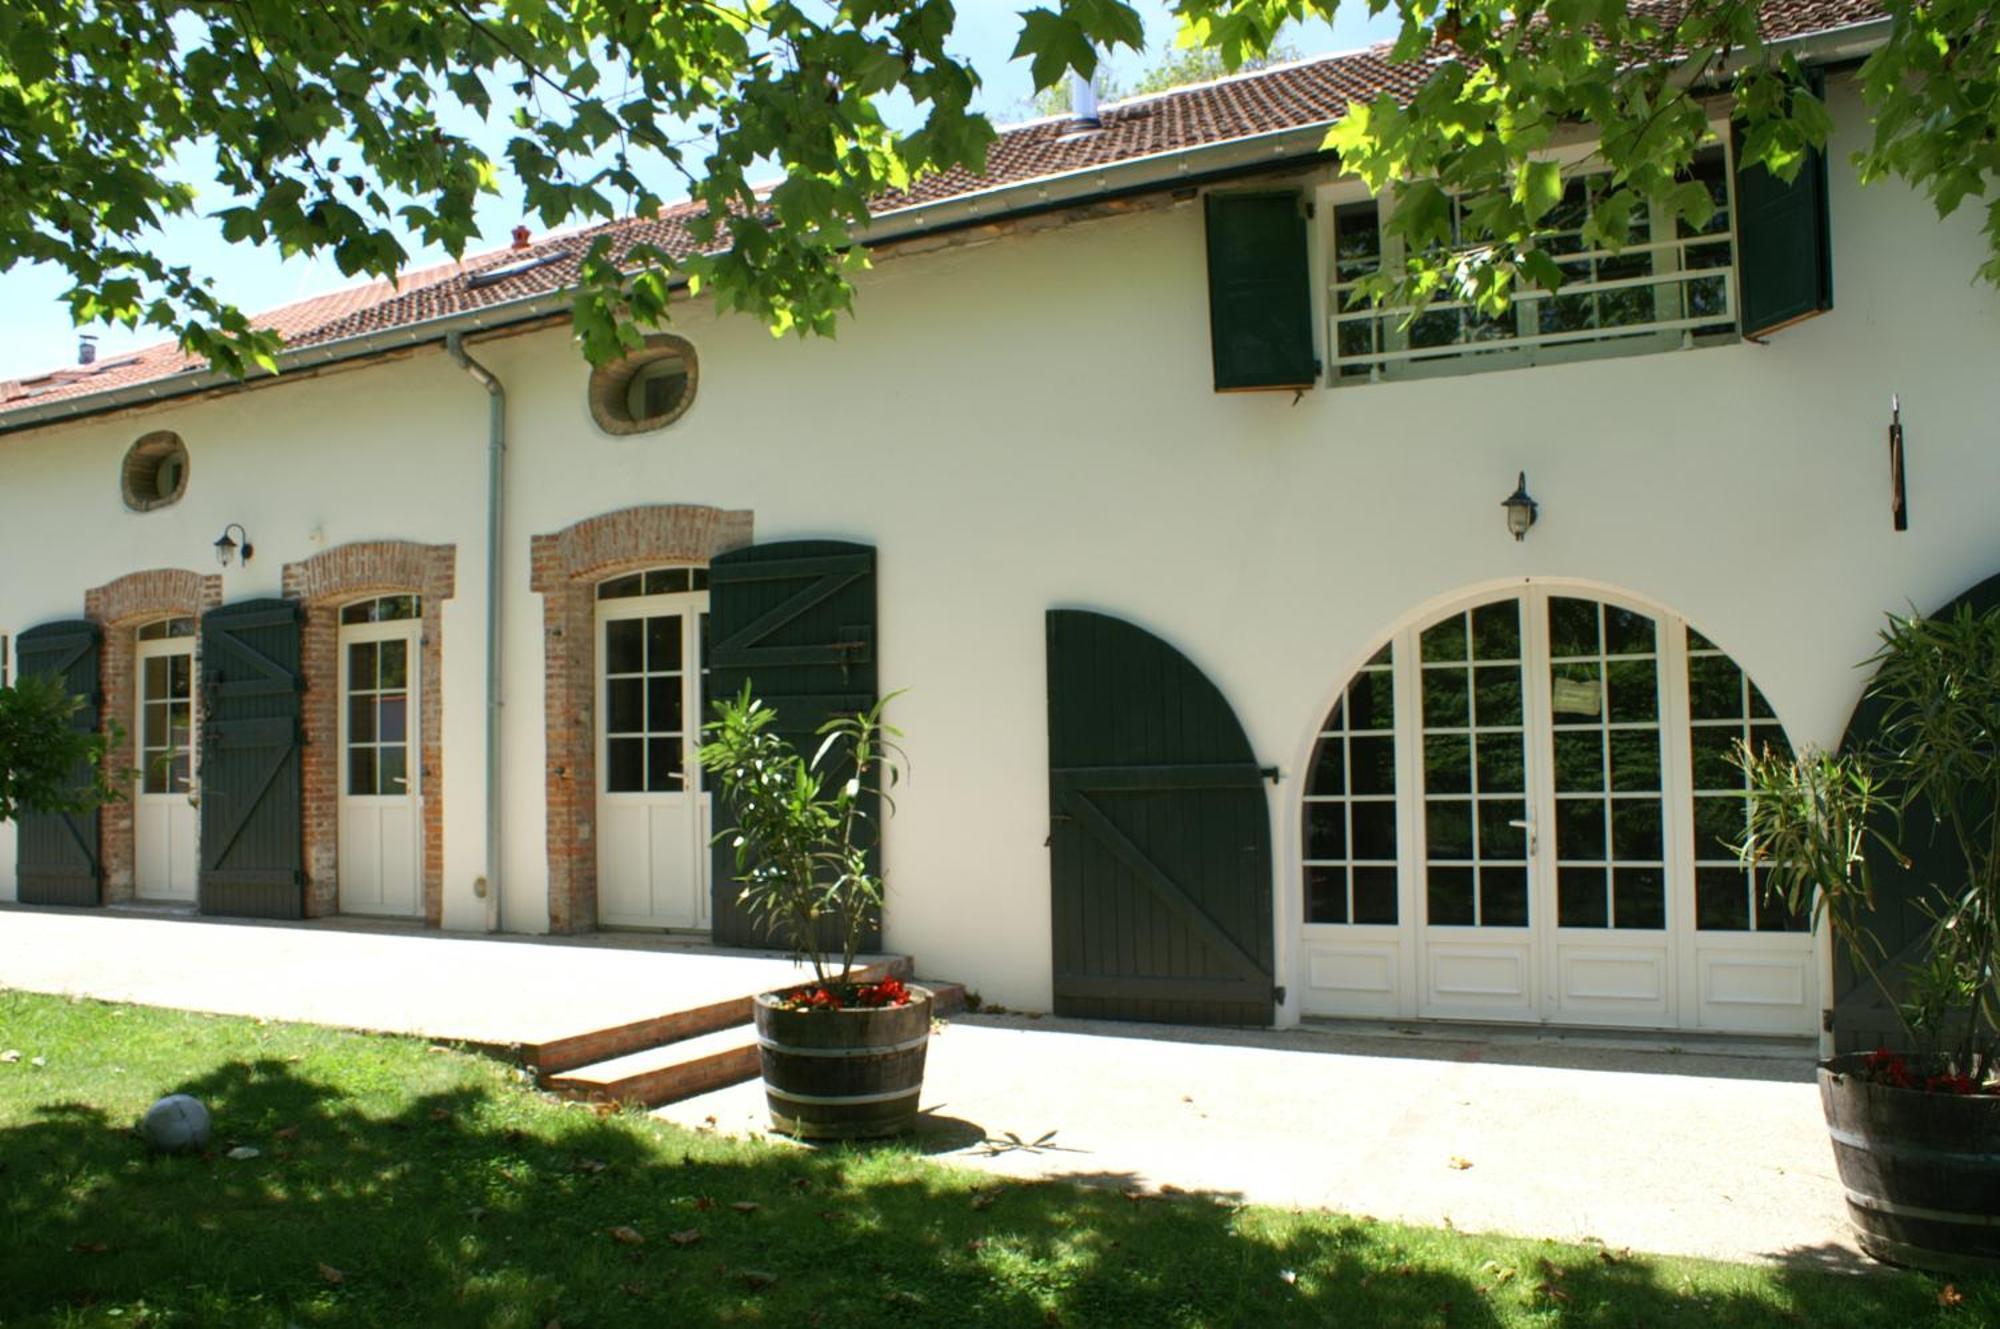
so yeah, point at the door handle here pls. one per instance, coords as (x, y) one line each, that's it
(1527, 825)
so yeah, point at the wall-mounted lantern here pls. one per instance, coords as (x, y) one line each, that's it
(225, 548)
(1520, 508)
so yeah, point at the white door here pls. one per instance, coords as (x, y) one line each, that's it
(381, 794)
(652, 812)
(1521, 811)
(164, 816)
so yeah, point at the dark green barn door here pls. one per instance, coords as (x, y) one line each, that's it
(1159, 838)
(57, 859)
(796, 620)
(1862, 1016)
(252, 861)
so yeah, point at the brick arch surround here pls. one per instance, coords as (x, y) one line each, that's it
(120, 608)
(323, 584)
(566, 569)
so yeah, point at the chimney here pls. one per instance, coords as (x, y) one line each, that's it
(86, 349)
(521, 237)
(1083, 102)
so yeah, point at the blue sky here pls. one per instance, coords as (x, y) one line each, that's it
(37, 335)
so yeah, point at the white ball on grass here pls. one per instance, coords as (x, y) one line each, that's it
(176, 1124)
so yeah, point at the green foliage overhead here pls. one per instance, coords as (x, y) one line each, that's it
(47, 764)
(344, 126)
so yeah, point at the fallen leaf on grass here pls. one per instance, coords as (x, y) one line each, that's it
(284, 1132)
(329, 1274)
(593, 1166)
(628, 1236)
(1458, 1164)
(89, 1247)
(746, 1206)
(704, 1202)
(976, 1245)
(685, 1237)
(633, 1289)
(440, 1114)
(11, 1055)
(757, 1278)
(1951, 1296)
(243, 1152)
(984, 1199)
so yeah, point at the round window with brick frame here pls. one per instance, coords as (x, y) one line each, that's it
(155, 472)
(647, 390)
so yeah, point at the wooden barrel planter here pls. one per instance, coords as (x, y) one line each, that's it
(1921, 1170)
(846, 1074)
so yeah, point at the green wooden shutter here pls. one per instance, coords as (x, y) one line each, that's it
(1784, 257)
(796, 620)
(1862, 1016)
(1260, 292)
(1159, 835)
(252, 856)
(57, 853)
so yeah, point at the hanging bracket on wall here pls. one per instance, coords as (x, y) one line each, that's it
(1899, 506)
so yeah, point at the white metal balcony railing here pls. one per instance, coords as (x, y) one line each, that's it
(1678, 265)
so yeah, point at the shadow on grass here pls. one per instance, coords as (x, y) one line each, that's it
(478, 1205)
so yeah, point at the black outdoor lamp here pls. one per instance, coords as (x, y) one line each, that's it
(225, 548)
(1520, 509)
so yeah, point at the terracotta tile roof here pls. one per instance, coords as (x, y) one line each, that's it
(1285, 97)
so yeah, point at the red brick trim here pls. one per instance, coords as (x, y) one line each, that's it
(323, 584)
(565, 571)
(120, 608)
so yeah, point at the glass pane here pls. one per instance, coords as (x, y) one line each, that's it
(1496, 631)
(361, 666)
(393, 718)
(1627, 632)
(663, 643)
(1447, 764)
(1374, 830)
(1499, 694)
(1635, 830)
(395, 664)
(1503, 897)
(180, 676)
(1638, 898)
(1500, 769)
(625, 765)
(158, 776)
(1326, 830)
(1635, 760)
(1334, 723)
(625, 706)
(1758, 706)
(1498, 836)
(1444, 641)
(1371, 700)
(361, 719)
(361, 771)
(1718, 825)
(180, 772)
(1721, 900)
(624, 646)
(1711, 746)
(1580, 830)
(1448, 829)
(180, 724)
(1573, 627)
(1375, 895)
(1329, 767)
(666, 581)
(620, 588)
(1447, 700)
(156, 676)
(1770, 738)
(156, 725)
(1773, 914)
(1715, 688)
(1372, 765)
(1576, 692)
(1579, 761)
(393, 777)
(1449, 897)
(663, 765)
(663, 704)
(698, 579)
(1635, 691)
(1580, 898)
(1326, 895)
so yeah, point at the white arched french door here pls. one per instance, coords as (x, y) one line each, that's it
(652, 810)
(1520, 809)
(165, 821)
(381, 771)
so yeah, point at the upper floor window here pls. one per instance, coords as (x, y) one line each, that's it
(648, 389)
(1672, 285)
(154, 472)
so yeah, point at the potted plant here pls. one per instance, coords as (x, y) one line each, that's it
(1916, 1129)
(843, 1059)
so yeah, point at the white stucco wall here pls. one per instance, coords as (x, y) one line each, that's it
(1029, 424)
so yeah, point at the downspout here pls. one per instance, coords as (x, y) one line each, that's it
(496, 456)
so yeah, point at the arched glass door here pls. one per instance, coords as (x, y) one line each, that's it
(1557, 765)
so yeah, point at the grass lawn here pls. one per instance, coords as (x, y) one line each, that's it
(400, 1184)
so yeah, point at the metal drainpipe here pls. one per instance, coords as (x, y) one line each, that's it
(496, 454)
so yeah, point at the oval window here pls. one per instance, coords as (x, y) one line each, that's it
(155, 472)
(649, 389)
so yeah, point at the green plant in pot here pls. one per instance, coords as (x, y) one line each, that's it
(843, 1055)
(1916, 1128)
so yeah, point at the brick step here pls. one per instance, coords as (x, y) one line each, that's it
(666, 1074)
(584, 1048)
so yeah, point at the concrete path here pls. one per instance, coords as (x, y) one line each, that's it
(391, 977)
(1719, 1156)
